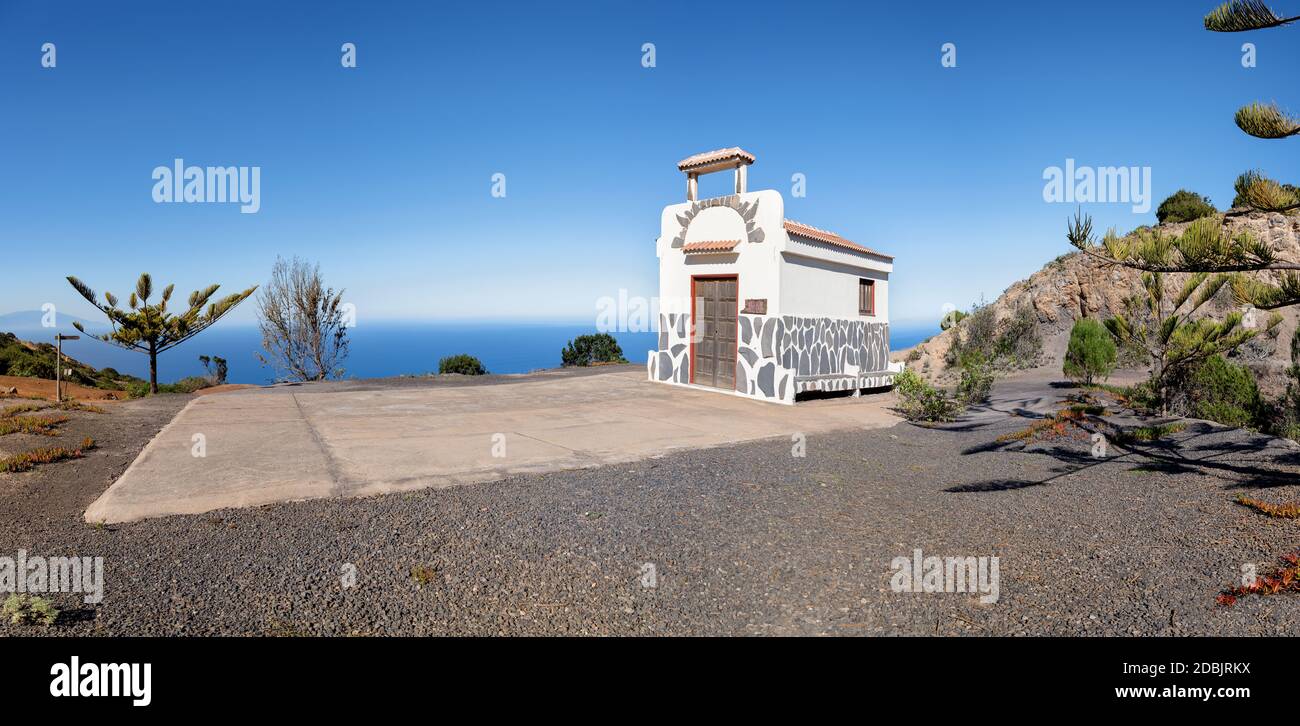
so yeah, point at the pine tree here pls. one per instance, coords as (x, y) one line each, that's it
(150, 328)
(1174, 342)
(1207, 247)
(1263, 121)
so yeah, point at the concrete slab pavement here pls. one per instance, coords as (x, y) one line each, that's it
(259, 446)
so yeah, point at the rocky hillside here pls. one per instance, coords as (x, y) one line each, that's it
(1075, 285)
(25, 359)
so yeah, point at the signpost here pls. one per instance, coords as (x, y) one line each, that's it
(58, 365)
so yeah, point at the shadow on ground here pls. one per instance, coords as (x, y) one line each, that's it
(1239, 459)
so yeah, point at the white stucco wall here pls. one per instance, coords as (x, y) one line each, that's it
(812, 336)
(821, 288)
(756, 263)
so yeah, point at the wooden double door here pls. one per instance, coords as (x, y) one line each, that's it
(713, 344)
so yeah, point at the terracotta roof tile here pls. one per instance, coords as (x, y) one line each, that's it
(713, 157)
(725, 245)
(830, 238)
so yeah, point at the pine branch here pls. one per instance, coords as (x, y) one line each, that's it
(85, 291)
(215, 312)
(1266, 121)
(1237, 16)
(1203, 247)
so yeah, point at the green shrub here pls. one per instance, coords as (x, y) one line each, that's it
(1019, 345)
(1224, 392)
(36, 360)
(908, 382)
(23, 609)
(463, 364)
(1184, 206)
(136, 388)
(585, 350)
(1011, 343)
(1283, 415)
(16, 360)
(920, 401)
(931, 405)
(1141, 397)
(1091, 354)
(977, 332)
(976, 380)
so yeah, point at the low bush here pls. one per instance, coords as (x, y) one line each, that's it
(908, 382)
(1091, 353)
(1011, 343)
(1283, 415)
(586, 350)
(1220, 391)
(976, 380)
(1019, 345)
(190, 384)
(24, 609)
(920, 401)
(1140, 397)
(463, 364)
(1184, 206)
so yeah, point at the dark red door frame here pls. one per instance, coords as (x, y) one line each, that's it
(735, 352)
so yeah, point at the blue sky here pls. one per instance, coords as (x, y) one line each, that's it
(382, 173)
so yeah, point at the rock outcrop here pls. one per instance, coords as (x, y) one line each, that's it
(1076, 285)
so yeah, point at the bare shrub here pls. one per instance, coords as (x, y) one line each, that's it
(302, 323)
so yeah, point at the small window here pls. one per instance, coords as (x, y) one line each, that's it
(866, 297)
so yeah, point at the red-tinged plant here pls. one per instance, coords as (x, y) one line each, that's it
(1289, 510)
(1283, 578)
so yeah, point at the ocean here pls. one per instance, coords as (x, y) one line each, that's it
(381, 349)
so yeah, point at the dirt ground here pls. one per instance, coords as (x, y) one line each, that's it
(56, 494)
(749, 539)
(39, 387)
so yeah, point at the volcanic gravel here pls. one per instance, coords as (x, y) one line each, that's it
(743, 540)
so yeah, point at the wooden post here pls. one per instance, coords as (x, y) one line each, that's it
(58, 365)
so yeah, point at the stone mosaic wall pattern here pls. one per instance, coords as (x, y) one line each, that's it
(779, 356)
(671, 363)
(746, 210)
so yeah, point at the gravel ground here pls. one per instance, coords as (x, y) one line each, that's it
(745, 539)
